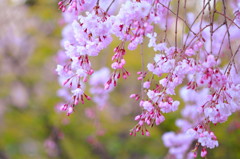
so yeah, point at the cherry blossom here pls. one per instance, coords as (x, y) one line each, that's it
(199, 59)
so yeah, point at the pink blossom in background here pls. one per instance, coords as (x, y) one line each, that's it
(97, 82)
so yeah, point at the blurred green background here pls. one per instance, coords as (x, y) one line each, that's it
(30, 126)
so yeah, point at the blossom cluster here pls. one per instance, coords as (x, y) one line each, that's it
(203, 63)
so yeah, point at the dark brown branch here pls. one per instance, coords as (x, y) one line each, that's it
(110, 6)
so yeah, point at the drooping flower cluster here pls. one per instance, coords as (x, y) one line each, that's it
(202, 61)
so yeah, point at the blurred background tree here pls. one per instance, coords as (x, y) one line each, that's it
(30, 125)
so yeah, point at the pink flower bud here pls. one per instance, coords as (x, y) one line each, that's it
(106, 86)
(140, 122)
(146, 84)
(60, 3)
(137, 117)
(123, 62)
(132, 95)
(85, 79)
(203, 152)
(141, 103)
(70, 110)
(195, 154)
(124, 76)
(147, 133)
(115, 65)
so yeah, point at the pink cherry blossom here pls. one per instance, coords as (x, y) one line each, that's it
(195, 53)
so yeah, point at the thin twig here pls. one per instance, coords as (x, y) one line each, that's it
(98, 1)
(110, 6)
(201, 12)
(142, 60)
(176, 25)
(166, 25)
(232, 58)
(178, 17)
(185, 12)
(232, 20)
(228, 33)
